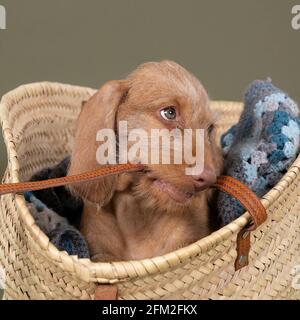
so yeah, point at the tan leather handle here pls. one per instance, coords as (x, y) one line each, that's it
(253, 205)
(56, 182)
(227, 184)
(106, 292)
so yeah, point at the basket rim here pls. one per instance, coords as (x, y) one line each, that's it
(112, 272)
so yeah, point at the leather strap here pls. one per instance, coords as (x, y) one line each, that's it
(106, 292)
(21, 187)
(255, 208)
(224, 183)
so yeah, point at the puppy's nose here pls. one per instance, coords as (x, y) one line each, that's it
(205, 179)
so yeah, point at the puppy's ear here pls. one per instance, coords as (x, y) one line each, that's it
(97, 113)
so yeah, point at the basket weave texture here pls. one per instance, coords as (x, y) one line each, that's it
(38, 126)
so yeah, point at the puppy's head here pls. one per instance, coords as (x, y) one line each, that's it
(157, 95)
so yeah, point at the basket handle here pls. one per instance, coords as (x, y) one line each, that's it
(106, 292)
(258, 213)
(224, 183)
(20, 187)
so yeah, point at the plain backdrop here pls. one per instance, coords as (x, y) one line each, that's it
(225, 43)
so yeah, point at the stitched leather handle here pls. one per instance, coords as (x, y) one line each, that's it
(21, 187)
(253, 205)
(106, 292)
(226, 184)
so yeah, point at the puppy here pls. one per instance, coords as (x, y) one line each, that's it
(142, 215)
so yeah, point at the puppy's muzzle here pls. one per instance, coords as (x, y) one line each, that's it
(205, 179)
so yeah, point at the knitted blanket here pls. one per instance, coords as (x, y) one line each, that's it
(60, 232)
(259, 149)
(57, 212)
(59, 199)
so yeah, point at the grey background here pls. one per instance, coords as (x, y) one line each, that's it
(226, 43)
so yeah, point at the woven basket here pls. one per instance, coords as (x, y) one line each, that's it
(38, 126)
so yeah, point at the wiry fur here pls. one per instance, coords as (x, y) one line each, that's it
(127, 217)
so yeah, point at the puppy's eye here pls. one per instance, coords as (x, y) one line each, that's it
(168, 113)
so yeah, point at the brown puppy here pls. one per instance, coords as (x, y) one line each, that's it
(141, 215)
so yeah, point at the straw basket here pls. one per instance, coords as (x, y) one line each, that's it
(38, 126)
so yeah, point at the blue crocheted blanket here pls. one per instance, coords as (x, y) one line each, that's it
(59, 230)
(259, 149)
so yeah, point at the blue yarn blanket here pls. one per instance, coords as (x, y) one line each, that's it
(259, 149)
(60, 232)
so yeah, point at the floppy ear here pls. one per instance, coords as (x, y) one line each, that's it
(97, 113)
